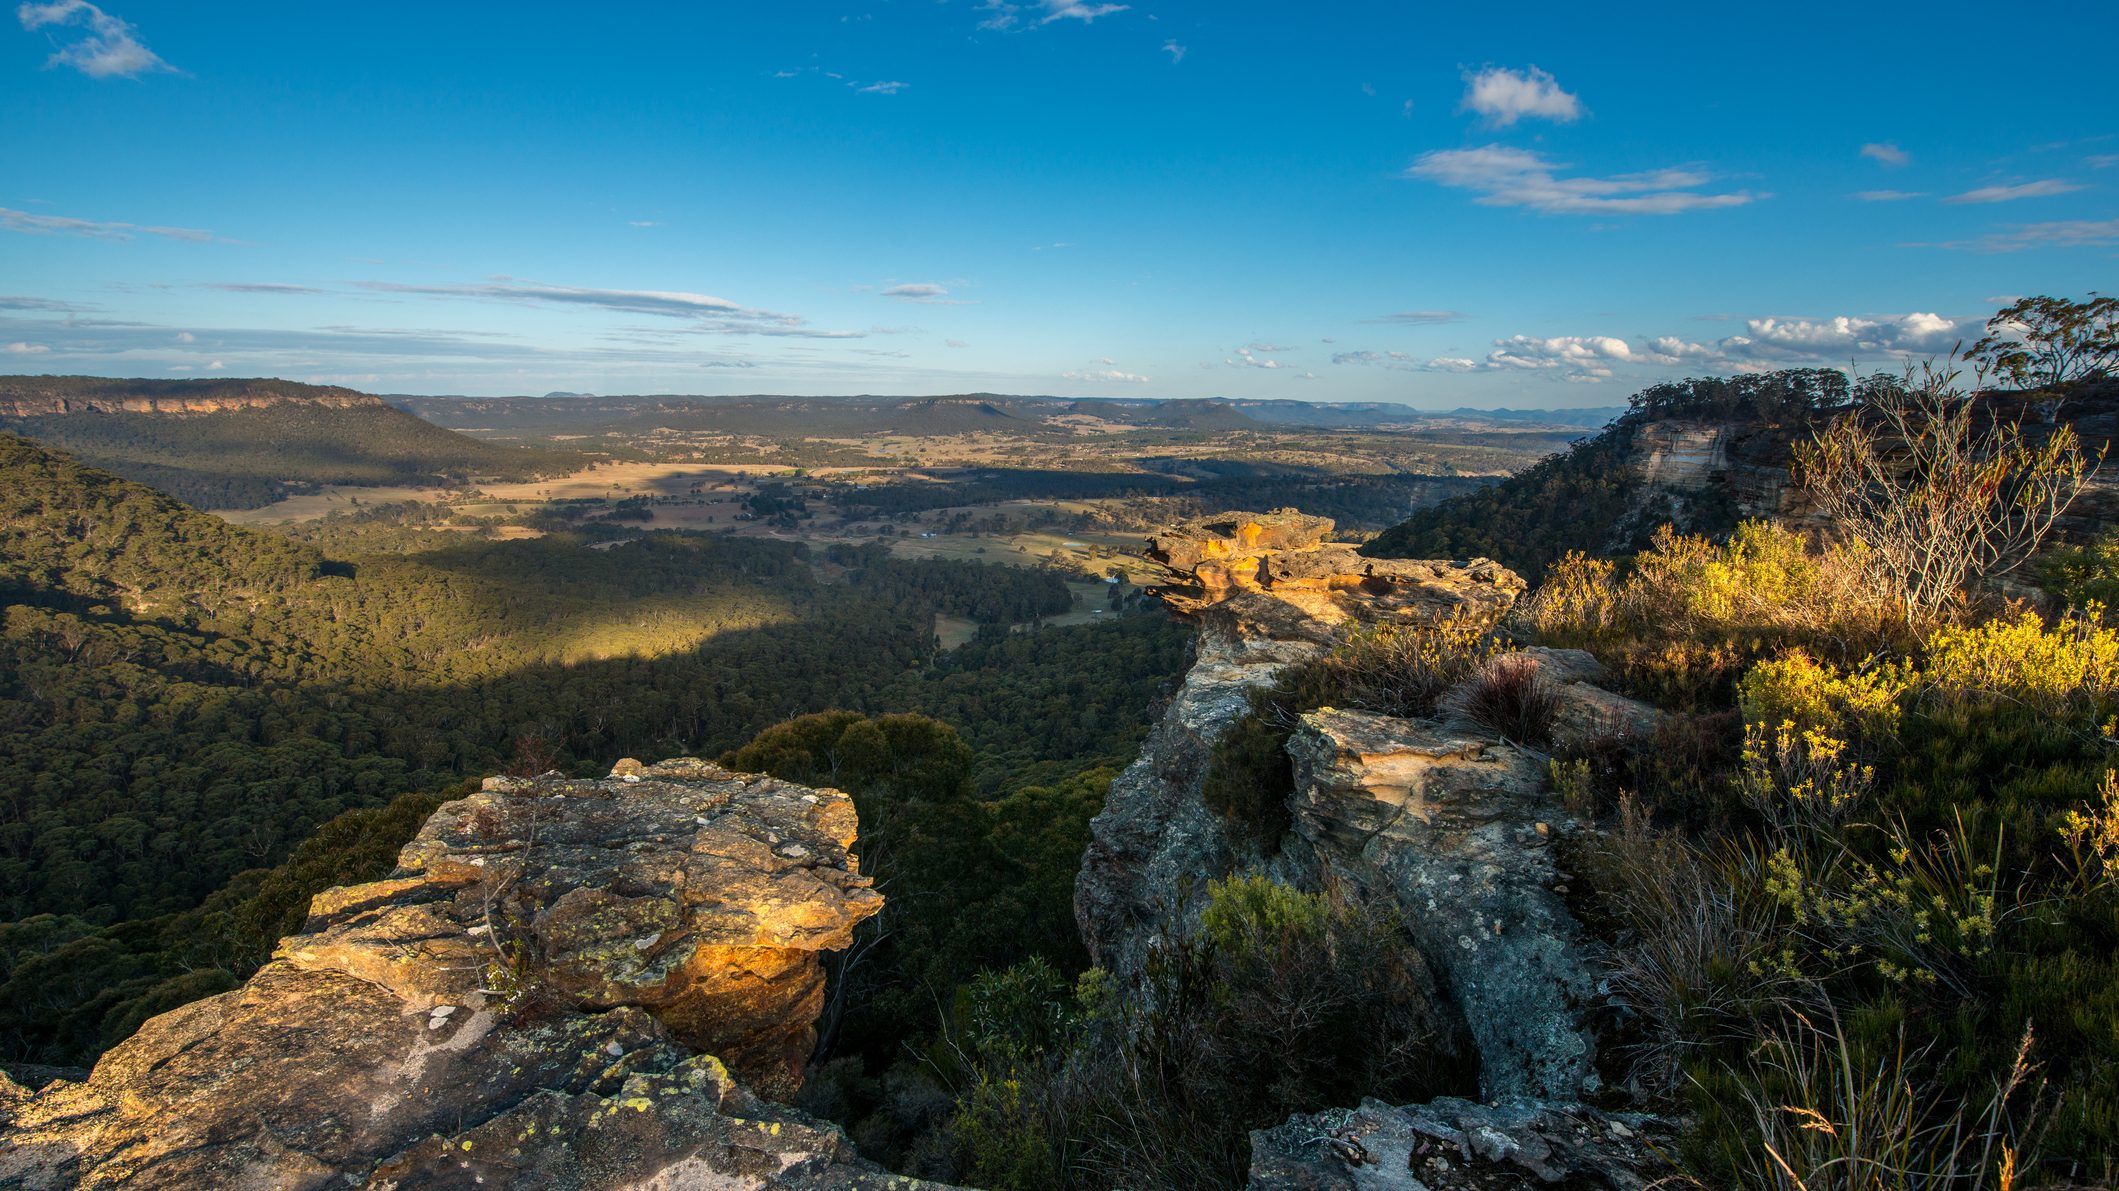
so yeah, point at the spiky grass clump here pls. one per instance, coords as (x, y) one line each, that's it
(1510, 698)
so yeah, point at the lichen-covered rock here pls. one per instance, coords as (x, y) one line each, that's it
(1456, 831)
(522, 1003)
(1456, 1145)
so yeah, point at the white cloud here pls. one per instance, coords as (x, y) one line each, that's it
(1888, 196)
(216, 366)
(1587, 354)
(2061, 233)
(2102, 161)
(106, 48)
(2022, 190)
(186, 337)
(25, 349)
(889, 88)
(1110, 376)
(1176, 51)
(1504, 96)
(1767, 343)
(1244, 359)
(94, 229)
(643, 223)
(1507, 177)
(1885, 153)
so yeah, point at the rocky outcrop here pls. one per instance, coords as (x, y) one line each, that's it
(1268, 591)
(1282, 563)
(1456, 1145)
(564, 984)
(46, 396)
(1453, 827)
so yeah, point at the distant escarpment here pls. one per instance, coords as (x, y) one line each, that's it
(42, 396)
(236, 444)
(1449, 824)
(1702, 455)
(572, 984)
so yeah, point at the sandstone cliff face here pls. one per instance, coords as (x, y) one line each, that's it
(1268, 593)
(1707, 473)
(565, 984)
(41, 396)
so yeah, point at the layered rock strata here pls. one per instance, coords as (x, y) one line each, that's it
(564, 984)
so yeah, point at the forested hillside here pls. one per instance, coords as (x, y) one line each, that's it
(182, 700)
(245, 444)
(1592, 497)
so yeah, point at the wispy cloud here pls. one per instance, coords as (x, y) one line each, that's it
(1176, 51)
(706, 313)
(33, 224)
(2042, 188)
(261, 287)
(25, 349)
(1418, 318)
(889, 88)
(1106, 376)
(926, 293)
(1885, 153)
(1503, 96)
(25, 302)
(2101, 161)
(1888, 196)
(2062, 233)
(1006, 14)
(1507, 177)
(103, 46)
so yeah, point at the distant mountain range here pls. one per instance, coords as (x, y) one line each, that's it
(948, 414)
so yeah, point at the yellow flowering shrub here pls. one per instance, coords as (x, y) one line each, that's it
(2025, 660)
(2092, 834)
(1809, 696)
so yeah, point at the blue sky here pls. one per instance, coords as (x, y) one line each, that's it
(1529, 205)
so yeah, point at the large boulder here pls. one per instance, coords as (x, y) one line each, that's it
(1456, 831)
(536, 997)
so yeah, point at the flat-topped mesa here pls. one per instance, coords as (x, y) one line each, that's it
(551, 990)
(1288, 557)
